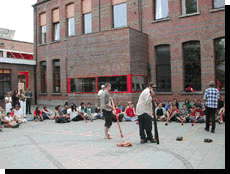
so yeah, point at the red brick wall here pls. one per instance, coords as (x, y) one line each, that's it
(204, 27)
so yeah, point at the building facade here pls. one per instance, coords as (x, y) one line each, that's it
(17, 65)
(81, 44)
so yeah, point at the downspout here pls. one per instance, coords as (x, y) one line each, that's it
(140, 15)
(36, 55)
(99, 14)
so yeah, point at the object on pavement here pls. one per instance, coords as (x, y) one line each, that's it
(208, 140)
(124, 144)
(179, 138)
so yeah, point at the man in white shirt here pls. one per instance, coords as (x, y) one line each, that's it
(101, 91)
(144, 112)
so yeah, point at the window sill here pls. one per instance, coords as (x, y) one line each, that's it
(56, 41)
(188, 15)
(191, 93)
(56, 94)
(217, 9)
(164, 93)
(161, 20)
(43, 94)
(44, 44)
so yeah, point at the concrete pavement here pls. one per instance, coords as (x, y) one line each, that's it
(49, 145)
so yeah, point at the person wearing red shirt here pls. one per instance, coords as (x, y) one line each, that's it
(172, 113)
(197, 114)
(38, 114)
(130, 113)
(119, 113)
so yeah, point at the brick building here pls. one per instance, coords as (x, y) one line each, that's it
(81, 44)
(17, 65)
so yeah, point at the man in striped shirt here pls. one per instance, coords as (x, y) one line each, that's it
(211, 97)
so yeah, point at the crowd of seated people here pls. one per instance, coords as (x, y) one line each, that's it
(167, 113)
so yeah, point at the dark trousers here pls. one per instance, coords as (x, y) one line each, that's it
(145, 125)
(210, 113)
(28, 107)
(108, 118)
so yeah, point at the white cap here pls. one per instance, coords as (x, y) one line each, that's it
(102, 86)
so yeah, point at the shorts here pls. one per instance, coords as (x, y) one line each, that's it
(108, 115)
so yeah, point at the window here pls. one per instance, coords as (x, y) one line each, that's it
(87, 23)
(70, 19)
(163, 68)
(192, 65)
(43, 35)
(56, 25)
(218, 4)
(71, 27)
(1, 53)
(119, 83)
(87, 16)
(56, 31)
(139, 83)
(161, 9)
(119, 15)
(56, 76)
(5, 82)
(43, 68)
(219, 45)
(43, 28)
(189, 6)
(83, 85)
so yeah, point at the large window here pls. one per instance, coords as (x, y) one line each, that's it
(163, 68)
(119, 83)
(43, 28)
(87, 23)
(119, 15)
(56, 25)
(220, 62)
(43, 71)
(5, 82)
(218, 4)
(139, 83)
(192, 65)
(161, 9)
(70, 19)
(56, 76)
(83, 85)
(189, 6)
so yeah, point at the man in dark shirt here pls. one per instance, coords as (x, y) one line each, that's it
(29, 96)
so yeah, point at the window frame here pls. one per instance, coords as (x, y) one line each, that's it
(113, 15)
(189, 63)
(161, 65)
(3, 85)
(43, 77)
(218, 60)
(213, 5)
(155, 11)
(43, 35)
(59, 31)
(56, 75)
(184, 9)
(84, 23)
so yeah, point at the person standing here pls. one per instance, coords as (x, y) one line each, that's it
(211, 98)
(29, 96)
(144, 112)
(22, 101)
(107, 107)
(8, 102)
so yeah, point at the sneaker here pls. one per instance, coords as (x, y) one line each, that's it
(152, 141)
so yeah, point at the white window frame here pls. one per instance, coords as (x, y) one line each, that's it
(183, 7)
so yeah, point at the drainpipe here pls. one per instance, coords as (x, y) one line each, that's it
(36, 55)
(140, 15)
(99, 6)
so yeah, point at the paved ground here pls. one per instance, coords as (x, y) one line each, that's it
(79, 145)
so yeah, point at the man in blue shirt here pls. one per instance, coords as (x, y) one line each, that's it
(211, 98)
